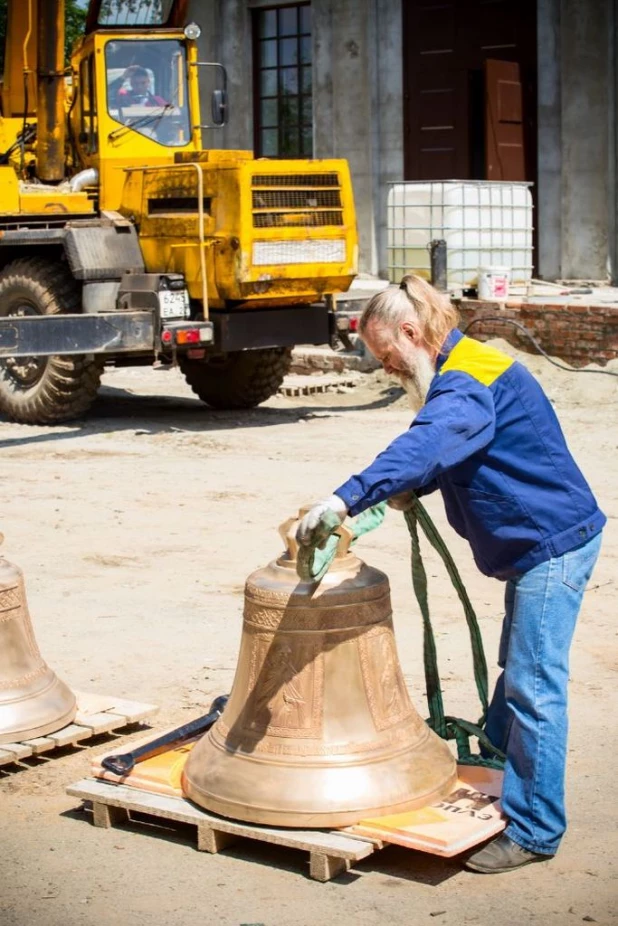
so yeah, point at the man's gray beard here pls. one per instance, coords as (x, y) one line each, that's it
(416, 381)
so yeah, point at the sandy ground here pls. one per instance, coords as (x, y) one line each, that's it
(136, 530)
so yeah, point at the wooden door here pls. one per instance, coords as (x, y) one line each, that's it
(435, 90)
(504, 121)
(464, 118)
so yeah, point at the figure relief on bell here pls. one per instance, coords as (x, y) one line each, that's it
(285, 697)
(25, 656)
(387, 694)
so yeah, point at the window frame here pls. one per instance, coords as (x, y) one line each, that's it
(300, 126)
(88, 123)
(144, 48)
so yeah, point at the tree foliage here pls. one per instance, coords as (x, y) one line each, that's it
(75, 17)
(75, 20)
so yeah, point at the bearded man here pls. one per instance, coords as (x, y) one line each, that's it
(487, 437)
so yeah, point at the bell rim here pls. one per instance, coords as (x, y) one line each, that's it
(233, 810)
(51, 726)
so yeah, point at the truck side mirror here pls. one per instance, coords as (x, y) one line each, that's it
(218, 97)
(218, 107)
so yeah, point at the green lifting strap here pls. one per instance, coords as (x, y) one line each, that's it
(312, 564)
(445, 726)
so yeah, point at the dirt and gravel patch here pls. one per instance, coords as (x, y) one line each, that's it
(136, 529)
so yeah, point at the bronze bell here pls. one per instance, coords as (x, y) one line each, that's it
(33, 700)
(319, 729)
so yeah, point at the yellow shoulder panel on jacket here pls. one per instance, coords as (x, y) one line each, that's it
(482, 362)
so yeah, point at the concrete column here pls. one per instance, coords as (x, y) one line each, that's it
(585, 139)
(323, 105)
(388, 119)
(343, 96)
(549, 193)
(613, 142)
(358, 101)
(577, 139)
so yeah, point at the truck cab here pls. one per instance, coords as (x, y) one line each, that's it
(154, 248)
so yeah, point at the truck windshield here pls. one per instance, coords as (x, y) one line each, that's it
(134, 12)
(147, 88)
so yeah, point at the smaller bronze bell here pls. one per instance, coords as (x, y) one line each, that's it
(319, 729)
(33, 700)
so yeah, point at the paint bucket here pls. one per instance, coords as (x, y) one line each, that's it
(494, 283)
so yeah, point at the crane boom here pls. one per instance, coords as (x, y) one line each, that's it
(34, 77)
(18, 93)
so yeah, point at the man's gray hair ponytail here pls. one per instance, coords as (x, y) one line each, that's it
(414, 300)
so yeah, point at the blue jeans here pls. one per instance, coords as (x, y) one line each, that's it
(527, 717)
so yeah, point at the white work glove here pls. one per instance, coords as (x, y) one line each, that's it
(318, 524)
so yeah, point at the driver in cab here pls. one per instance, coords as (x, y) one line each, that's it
(138, 93)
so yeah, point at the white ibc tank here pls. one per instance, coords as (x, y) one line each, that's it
(484, 223)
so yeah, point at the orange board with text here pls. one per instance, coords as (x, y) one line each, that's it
(468, 816)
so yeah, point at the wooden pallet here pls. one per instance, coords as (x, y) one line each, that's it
(96, 714)
(313, 385)
(330, 852)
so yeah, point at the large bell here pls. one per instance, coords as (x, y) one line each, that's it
(319, 729)
(33, 700)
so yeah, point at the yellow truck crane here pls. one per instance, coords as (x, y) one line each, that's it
(123, 241)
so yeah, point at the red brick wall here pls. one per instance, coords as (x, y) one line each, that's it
(578, 334)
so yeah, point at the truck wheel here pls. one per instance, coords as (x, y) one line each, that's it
(239, 379)
(43, 390)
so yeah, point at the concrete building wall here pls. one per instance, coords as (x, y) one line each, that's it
(358, 114)
(226, 38)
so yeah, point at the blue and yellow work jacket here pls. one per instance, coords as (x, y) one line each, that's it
(488, 438)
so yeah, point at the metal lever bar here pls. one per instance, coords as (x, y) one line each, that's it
(124, 763)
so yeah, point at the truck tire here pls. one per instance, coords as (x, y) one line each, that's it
(238, 379)
(44, 390)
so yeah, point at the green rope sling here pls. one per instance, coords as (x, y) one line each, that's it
(312, 565)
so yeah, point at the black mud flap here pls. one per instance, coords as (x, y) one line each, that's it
(285, 327)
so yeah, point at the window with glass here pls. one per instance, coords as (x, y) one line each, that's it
(147, 88)
(88, 114)
(283, 82)
(134, 12)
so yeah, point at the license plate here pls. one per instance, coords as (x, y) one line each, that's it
(174, 304)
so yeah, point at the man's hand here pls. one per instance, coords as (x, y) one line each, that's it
(401, 502)
(318, 524)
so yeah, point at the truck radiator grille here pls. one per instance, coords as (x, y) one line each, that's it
(297, 200)
(296, 180)
(290, 219)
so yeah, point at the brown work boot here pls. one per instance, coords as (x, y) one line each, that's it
(502, 854)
